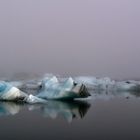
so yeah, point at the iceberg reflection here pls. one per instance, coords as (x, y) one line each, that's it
(51, 109)
(68, 110)
(9, 108)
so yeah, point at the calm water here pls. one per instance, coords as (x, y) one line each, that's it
(102, 117)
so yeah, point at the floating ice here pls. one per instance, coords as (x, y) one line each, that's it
(128, 86)
(52, 89)
(8, 92)
(48, 83)
(93, 81)
(108, 85)
(11, 93)
(33, 99)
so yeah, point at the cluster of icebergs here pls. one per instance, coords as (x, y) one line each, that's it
(49, 89)
(51, 93)
(108, 85)
(52, 88)
(105, 88)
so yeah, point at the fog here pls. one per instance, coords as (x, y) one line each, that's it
(70, 37)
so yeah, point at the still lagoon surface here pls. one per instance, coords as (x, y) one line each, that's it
(103, 116)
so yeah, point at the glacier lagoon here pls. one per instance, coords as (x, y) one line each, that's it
(112, 110)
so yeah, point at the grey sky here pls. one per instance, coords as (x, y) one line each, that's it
(71, 37)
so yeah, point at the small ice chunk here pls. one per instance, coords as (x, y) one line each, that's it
(33, 99)
(128, 86)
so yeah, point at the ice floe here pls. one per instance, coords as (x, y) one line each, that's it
(10, 93)
(53, 88)
(49, 89)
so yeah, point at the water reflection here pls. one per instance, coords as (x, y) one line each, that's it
(68, 110)
(9, 108)
(52, 109)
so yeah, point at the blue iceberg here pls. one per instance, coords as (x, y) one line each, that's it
(67, 90)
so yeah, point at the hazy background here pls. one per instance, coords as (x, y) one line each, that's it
(70, 37)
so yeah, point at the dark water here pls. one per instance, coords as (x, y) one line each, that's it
(102, 117)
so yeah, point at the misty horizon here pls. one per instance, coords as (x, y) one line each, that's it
(70, 38)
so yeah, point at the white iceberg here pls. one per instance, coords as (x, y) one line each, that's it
(31, 99)
(9, 92)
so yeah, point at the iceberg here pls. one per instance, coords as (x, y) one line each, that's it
(107, 84)
(10, 93)
(96, 83)
(128, 86)
(48, 83)
(68, 90)
(31, 99)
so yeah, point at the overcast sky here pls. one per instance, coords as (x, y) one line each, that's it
(70, 37)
